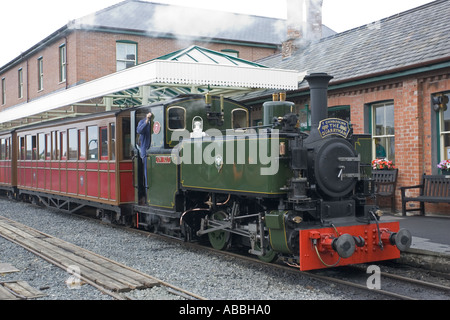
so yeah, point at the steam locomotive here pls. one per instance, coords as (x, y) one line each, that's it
(272, 190)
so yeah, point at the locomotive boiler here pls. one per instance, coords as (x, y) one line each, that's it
(272, 189)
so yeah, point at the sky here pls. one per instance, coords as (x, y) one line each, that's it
(23, 23)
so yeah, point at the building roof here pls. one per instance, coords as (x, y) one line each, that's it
(166, 77)
(413, 39)
(176, 21)
(161, 20)
(203, 55)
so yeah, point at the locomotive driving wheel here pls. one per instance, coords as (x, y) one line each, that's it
(219, 239)
(270, 255)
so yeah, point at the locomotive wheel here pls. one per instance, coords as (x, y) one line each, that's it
(270, 255)
(219, 239)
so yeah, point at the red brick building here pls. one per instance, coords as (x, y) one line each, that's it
(130, 33)
(387, 78)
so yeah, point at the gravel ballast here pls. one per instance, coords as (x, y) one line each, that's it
(205, 274)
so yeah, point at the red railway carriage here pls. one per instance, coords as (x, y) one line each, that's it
(8, 162)
(77, 162)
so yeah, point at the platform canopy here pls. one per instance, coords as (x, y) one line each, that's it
(193, 70)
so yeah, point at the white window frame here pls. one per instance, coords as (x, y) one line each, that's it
(40, 70)
(20, 83)
(3, 91)
(383, 136)
(62, 63)
(127, 60)
(444, 150)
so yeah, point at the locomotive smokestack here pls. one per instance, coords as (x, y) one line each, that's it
(318, 83)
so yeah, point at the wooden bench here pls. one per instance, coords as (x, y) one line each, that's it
(385, 185)
(434, 189)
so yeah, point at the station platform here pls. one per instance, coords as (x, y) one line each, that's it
(430, 232)
(430, 246)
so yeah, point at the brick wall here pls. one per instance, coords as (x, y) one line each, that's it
(415, 128)
(91, 55)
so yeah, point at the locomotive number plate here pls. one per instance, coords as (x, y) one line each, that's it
(163, 160)
(334, 126)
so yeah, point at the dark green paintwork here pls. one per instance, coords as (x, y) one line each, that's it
(232, 177)
(277, 231)
(162, 182)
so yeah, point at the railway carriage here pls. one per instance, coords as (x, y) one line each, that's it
(8, 162)
(78, 162)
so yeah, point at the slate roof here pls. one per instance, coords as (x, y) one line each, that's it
(163, 19)
(417, 37)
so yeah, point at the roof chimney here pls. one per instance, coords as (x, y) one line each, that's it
(304, 24)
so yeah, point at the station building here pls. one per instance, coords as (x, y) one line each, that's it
(128, 34)
(391, 80)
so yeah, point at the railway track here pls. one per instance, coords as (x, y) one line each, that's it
(108, 276)
(327, 276)
(357, 275)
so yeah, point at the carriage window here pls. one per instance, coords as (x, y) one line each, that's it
(93, 143)
(41, 146)
(8, 149)
(104, 143)
(82, 144)
(113, 141)
(63, 146)
(30, 147)
(22, 148)
(56, 145)
(126, 139)
(34, 147)
(73, 144)
(177, 118)
(2, 149)
(239, 118)
(48, 150)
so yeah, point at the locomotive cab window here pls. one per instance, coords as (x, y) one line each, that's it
(239, 118)
(176, 118)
